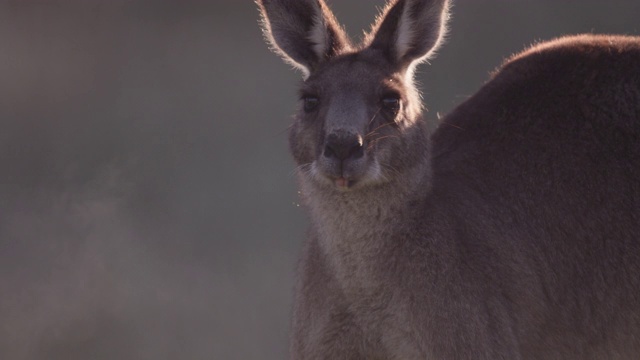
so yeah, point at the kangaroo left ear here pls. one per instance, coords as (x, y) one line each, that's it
(410, 31)
(303, 32)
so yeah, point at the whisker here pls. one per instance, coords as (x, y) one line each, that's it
(391, 168)
(284, 130)
(304, 169)
(370, 134)
(378, 128)
(374, 115)
(455, 126)
(376, 140)
(384, 137)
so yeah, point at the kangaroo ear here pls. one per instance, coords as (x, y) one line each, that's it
(410, 31)
(304, 32)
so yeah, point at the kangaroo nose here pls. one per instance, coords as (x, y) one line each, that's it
(343, 147)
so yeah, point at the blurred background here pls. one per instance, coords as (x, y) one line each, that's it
(148, 206)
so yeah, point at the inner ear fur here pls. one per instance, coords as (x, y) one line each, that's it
(304, 33)
(408, 32)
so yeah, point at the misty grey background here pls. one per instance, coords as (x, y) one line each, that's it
(147, 204)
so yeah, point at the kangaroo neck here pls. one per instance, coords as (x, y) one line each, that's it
(354, 214)
(354, 227)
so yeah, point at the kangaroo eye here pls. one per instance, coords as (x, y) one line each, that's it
(391, 104)
(310, 103)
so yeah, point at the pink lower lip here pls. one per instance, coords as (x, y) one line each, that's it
(342, 183)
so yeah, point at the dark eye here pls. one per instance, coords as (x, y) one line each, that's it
(391, 104)
(310, 103)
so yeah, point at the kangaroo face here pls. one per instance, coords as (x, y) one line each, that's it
(352, 114)
(358, 123)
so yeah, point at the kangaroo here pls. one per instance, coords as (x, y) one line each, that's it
(511, 232)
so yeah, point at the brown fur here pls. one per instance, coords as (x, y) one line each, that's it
(513, 233)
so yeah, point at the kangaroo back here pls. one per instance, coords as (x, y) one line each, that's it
(542, 169)
(513, 232)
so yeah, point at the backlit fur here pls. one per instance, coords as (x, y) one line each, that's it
(513, 232)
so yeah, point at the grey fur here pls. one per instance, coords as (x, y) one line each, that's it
(513, 232)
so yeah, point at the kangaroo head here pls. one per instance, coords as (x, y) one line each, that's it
(359, 120)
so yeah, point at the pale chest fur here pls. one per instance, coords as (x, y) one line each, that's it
(360, 234)
(355, 233)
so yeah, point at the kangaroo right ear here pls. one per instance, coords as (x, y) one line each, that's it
(304, 32)
(410, 31)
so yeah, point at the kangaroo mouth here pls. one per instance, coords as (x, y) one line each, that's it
(343, 183)
(344, 179)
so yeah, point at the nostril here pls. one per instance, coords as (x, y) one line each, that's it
(357, 151)
(329, 152)
(343, 150)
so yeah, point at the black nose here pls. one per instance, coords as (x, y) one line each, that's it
(343, 147)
